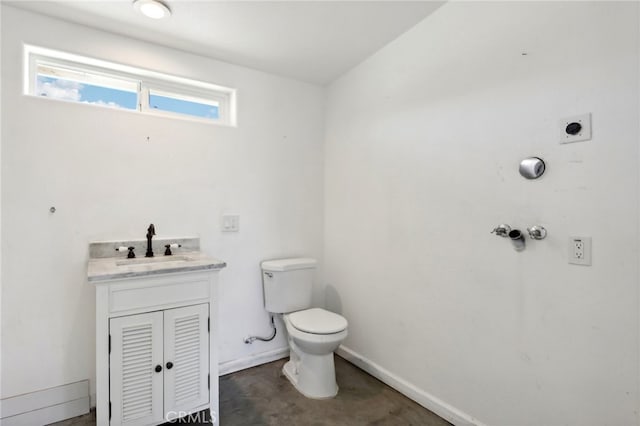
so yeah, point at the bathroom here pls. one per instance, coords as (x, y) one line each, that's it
(391, 170)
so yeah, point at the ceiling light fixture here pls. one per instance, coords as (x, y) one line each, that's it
(152, 8)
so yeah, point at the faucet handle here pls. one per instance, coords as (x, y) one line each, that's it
(537, 232)
(168, 248)
(502, 230)
(131, 254)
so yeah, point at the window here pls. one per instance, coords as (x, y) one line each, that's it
(81, 86)
(181, 104)
(62, 76)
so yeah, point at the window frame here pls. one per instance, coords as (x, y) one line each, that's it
(147, 82)
(185, 94)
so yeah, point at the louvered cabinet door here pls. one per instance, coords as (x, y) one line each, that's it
(135, 385)
(186, 354)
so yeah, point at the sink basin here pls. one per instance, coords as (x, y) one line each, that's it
(104, 266)
(153, 260)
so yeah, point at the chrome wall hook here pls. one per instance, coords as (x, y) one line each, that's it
(502, 230)
(537, 232)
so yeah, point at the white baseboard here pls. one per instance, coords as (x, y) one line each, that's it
(46, 406)
(252, 361)
(409, 390)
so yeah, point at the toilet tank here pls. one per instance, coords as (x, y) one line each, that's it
(287, 284)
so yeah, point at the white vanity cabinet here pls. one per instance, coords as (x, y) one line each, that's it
(156, 350)
(159, 364)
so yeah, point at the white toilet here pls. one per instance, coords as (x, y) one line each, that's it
(313, 332)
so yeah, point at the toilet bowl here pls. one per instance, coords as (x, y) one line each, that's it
(314, 334)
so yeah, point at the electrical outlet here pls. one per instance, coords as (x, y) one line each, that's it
(580, 250)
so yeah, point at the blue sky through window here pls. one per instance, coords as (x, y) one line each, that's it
(58, 88)
(195, 109)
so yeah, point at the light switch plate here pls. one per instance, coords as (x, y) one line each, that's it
(584, 134)
(230, 223)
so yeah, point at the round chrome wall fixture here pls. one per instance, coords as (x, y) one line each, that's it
(537, 232)
(532, 168)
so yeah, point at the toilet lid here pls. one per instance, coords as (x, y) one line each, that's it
(318, 321)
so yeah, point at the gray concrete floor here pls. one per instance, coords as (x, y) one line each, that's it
(262, 396)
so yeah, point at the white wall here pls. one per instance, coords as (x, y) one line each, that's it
(423, 142)
(107, 182)
(421, 153)
(0, 212)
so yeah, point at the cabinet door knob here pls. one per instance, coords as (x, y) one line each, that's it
(158, 368)
(169, 365)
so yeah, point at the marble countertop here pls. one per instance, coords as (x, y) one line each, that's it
(110, 268)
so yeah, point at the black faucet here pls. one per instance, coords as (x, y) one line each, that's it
(151, 231)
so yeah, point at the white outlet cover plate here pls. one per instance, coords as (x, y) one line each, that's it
(583, 135)
(230, 223)
(585, 260)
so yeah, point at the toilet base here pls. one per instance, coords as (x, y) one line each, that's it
(314, 386)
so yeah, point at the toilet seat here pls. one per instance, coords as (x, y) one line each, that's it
(317, 321)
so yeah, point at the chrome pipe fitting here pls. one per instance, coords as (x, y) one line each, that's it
(537, 232)
(532, 168)
(517, 239)
(502, 230)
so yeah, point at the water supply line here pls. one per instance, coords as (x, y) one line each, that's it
(249, 340)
